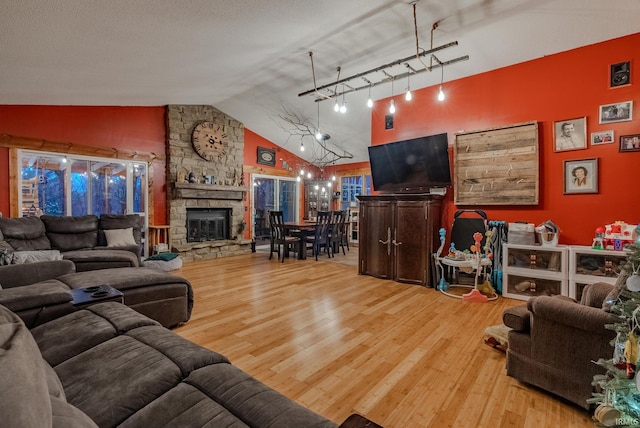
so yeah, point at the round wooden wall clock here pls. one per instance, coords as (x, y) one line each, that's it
(209, 140)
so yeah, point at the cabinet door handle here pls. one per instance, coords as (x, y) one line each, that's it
(396, 243)
(388, 241)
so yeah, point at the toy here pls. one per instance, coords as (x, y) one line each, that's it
(620, 231)
(598, 241)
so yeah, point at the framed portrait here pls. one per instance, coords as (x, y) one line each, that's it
(570, 134)
(602, 137)
(580, 176)
(266, 156)
(630, 143)
(616, 112)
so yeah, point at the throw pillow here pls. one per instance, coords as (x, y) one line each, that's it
(20, 257)
(120, 237)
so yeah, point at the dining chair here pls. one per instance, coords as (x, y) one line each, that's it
(338, 232)
(280, 241)
(321, 236)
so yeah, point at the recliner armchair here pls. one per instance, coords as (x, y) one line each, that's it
(555, 340)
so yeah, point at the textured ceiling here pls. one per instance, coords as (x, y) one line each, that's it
(249, 58)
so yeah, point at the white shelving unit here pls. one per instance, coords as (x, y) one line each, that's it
(534, 270)
(587, 266)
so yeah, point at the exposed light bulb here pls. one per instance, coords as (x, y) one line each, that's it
(392, 107)
(316, 187)
(323, 189)
(336, 107)
(301, 146)
(440, 94)
(369, 103)
(329, 184)
(298, 178)
(408, 95)
(343, 108)
(319, 135)
(309, 174)
(302, 171)
(333, 178)
(64, 159)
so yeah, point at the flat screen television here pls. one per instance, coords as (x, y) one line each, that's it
(411, 166)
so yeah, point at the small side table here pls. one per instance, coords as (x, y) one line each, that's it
(159, 234)
(97, 294)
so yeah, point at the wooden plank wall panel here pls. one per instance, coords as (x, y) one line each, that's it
(498, 166)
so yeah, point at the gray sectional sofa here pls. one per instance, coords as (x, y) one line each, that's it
(109, 366)
(81, 239)
(39, 292)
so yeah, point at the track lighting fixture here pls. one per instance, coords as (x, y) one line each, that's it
(417, 57)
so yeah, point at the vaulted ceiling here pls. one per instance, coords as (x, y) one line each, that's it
(250, 58)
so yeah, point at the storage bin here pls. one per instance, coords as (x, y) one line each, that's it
(521, 234)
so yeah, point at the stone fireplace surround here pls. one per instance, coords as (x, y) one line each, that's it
(182, 159)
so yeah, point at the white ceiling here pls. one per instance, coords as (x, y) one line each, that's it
(249, 58)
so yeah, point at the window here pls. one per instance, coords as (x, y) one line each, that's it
(353, 186)
(56, 184)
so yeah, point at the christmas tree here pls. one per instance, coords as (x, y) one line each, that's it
(619, 399)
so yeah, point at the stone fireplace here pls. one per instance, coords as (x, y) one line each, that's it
(206, 216)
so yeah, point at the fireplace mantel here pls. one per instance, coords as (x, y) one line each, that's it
(208, 191)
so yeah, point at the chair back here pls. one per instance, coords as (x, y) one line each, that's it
(337, 224)
(276, 223)
(323, 226)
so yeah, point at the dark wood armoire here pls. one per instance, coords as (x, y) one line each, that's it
(398, 236)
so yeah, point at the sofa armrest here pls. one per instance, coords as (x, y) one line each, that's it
(45, 293)
(571, 314)
(30, 273)
(517, 318)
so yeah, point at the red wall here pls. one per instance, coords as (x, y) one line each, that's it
(562, 86)
(132, 128)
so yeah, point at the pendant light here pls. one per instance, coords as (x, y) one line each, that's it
(392, 104)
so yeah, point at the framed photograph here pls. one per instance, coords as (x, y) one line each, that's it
(580, 176)
(570, 134)
(266, 156)
(602, 137)
(630, 143)
(616, 112)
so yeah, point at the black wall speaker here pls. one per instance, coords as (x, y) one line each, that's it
(620, 74)
(388, 121)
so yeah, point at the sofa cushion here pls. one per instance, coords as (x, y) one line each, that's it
(64, 338)
(119, 237)
(24, 396)
(116, 378)
(38, 295)
(68, 233)
(25, 233)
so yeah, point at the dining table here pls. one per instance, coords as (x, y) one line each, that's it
(301, 230)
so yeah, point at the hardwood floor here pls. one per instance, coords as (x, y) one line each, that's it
(339, 343)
